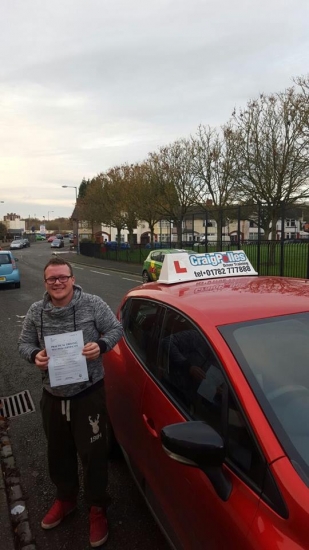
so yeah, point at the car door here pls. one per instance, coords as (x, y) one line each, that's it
(126, 372)
(192, 513)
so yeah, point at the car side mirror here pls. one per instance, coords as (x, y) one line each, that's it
(16, 259)
(198, 444)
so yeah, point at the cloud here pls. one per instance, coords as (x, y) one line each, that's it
(87, 85)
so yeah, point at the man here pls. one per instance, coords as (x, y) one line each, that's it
(74, 415)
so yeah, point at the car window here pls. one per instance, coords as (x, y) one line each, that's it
(5, 259)
(184, 360)
(155, 256)
(142, 321)
(189, 370)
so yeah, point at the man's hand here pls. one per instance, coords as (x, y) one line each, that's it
(91, 351)
(41, 360)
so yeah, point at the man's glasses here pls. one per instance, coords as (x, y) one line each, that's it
(61, 279)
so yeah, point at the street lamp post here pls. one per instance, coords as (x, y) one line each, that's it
(77, 236)
(48, 214)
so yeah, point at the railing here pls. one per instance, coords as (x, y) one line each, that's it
(267, 257)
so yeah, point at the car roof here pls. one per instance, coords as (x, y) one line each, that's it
(231, 299)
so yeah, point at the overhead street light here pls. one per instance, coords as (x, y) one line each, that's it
(77, 221)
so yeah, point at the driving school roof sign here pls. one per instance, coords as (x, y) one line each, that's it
(184, 266)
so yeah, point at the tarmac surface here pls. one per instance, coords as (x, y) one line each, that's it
(126, 267)
(12, 537)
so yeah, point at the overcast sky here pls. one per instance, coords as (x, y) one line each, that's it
(88, 84)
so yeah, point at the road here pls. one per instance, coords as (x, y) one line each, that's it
(131, 524)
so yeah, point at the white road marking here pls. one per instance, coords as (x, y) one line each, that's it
(100, 273)
(76, 267)
(134, 280)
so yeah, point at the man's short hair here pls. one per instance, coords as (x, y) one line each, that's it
(58, 261)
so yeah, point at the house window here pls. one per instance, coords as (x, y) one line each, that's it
(165, 224)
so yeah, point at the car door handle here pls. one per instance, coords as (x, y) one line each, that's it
(150, 426)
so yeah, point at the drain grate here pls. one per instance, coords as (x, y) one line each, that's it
(16, 405)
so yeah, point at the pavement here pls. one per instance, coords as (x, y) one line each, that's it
(14, 526)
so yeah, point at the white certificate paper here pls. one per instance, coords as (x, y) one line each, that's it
(66, 365)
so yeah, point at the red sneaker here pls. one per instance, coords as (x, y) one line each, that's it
(57, 513)
(98, 526)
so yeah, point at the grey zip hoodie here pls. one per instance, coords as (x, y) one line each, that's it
(85, 312)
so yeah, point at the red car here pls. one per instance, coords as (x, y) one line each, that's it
(208, 397)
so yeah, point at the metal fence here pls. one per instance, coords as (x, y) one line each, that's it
(268, 258)
(283, 256)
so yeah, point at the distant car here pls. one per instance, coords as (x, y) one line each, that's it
(59, 236)
(208, 396)
(71, 238)
(39, 237)
(26, 243)
(57, 243)
(9, 273)
(15, 245)
(153, 263)
(51, 238)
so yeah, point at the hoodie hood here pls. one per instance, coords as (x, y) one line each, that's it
(48, 306)
(61, 312)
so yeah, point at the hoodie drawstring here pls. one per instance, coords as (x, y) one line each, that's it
(66, 409)
(42, 324)
(74, 318)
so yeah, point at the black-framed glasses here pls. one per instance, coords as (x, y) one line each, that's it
(61, 279)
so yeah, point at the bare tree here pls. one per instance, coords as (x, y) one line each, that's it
(173, 178)
(215, 166)
(114, 201)
(146, 194)
(91, 205)
(274, 152)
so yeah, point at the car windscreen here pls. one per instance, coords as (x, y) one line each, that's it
(273, 354)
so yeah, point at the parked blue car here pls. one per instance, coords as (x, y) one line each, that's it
(9, 272)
